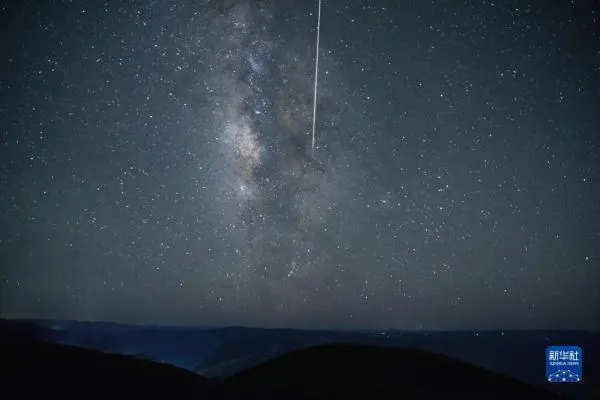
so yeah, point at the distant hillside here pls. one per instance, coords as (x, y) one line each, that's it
(224, 352)
(355, 371)
(33, 368)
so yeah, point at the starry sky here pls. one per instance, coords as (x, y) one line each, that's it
(156, 163)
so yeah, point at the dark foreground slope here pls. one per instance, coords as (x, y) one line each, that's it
(32, 368)
(356, 371)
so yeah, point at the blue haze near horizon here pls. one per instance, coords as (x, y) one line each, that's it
(222, 352)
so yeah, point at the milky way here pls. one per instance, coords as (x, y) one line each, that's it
(277, 196)
(156, 163)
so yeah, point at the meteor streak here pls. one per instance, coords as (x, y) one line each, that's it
(316, 78)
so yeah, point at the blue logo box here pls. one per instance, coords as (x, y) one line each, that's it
(564, 364)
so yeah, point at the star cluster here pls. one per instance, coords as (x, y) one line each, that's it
(156, 163)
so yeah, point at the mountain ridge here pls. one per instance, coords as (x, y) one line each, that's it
(34, 367)
(223, 352)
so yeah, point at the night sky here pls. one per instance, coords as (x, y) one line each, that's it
(156, 163)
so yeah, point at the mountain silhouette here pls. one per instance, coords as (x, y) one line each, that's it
(32, 368)
(360, 371)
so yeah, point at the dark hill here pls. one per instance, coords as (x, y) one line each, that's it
(31, 368)
(356, 371)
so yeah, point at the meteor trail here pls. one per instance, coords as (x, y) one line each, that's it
(316, 78)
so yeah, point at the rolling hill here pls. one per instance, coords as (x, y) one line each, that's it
(34, 368)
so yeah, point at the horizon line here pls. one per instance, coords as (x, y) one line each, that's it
(296, 328)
